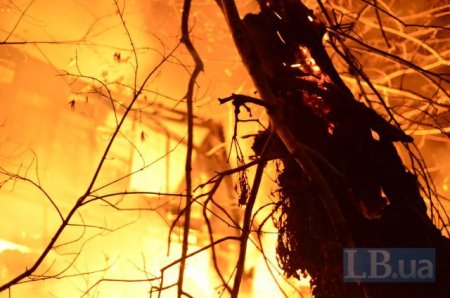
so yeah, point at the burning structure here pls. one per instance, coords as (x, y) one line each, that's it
(123, 176)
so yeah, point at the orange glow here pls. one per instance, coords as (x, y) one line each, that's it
(54, 129)
(307, 64)
(445, 184)
(67, 76)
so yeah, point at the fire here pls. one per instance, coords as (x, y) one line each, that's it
(57, 122)
(64, 86)
(7, 245)
(306, 63)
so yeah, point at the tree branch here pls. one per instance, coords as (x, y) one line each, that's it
(185, 39)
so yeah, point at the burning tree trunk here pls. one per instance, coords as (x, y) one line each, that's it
(343, 183)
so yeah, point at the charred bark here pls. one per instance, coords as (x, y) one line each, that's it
(339, 186)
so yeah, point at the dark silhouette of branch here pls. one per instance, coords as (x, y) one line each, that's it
(104, 280)
(246, 228)
(377, 13)
(36, 185)
(22, 14)
(185, 39)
